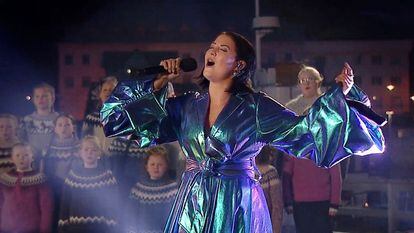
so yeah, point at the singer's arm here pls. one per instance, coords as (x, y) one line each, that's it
(134, 109)
(160, 82)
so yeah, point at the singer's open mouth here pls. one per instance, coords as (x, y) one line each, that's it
(210, 63)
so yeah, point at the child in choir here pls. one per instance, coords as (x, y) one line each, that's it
(151, 199)
(272, 187)
(8, 137)
(89, 200)
(125, 156)
(63, 148)
(62, 153)
(92, 124)
(38, 126)
(26, 202)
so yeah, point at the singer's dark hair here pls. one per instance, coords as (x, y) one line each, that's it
(245, 52)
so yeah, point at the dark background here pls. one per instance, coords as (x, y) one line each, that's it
(30, 30)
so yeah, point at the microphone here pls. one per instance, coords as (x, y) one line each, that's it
(186, 65)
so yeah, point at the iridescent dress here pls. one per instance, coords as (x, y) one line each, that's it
(219, 191)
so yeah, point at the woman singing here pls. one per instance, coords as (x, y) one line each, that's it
(223, 128)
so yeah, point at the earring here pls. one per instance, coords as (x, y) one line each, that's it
(235, 73)
(237, 70)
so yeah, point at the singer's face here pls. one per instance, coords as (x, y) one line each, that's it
(220, 59)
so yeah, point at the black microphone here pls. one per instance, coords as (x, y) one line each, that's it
(186, 65)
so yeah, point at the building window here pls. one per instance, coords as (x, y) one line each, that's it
(86, 81)
(69, 82)
(68, 60)
(396, 102)
(395, 61)
(376, 60)
(270, 61)
(85, 59)
(376, 80)
(395, 80)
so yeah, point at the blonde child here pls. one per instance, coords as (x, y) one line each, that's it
(90, 194)
(8, 137)
(63, 148)
(92, 124)
(26, 202)
(38, 126)
(151, 198)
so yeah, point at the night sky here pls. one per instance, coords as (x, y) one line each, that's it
(30, 30)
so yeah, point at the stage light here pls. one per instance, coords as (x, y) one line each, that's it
(390, 87)
(389, 113)
(28, 97)
(374, 97)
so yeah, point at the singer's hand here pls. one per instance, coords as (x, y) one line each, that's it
(172, 66)
(346, 78)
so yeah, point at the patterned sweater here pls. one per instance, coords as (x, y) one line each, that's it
(38, 130)
(92, 126)
(60, 156)
(26, 203)
(127, 161)
(89, 201)
(149, 205)
(5, 161)
(272, 189)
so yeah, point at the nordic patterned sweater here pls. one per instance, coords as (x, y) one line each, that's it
(59, 157)
(149, 204)
(89, 201)
(92, 126)
(5, 161)
(272, 189)
(126, 160)
(38, 130)
(26, 202)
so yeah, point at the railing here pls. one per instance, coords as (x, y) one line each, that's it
(393, 190)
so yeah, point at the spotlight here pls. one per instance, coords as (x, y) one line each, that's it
(389, 113)
(390, 87)
(28, 97)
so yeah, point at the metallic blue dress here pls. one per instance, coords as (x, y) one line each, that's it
(219, 191)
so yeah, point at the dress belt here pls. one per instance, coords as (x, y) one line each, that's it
(208, 167)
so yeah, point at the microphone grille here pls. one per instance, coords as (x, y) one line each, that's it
(188, 64)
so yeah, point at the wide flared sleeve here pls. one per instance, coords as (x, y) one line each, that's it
(136, 111)
(330, 132)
